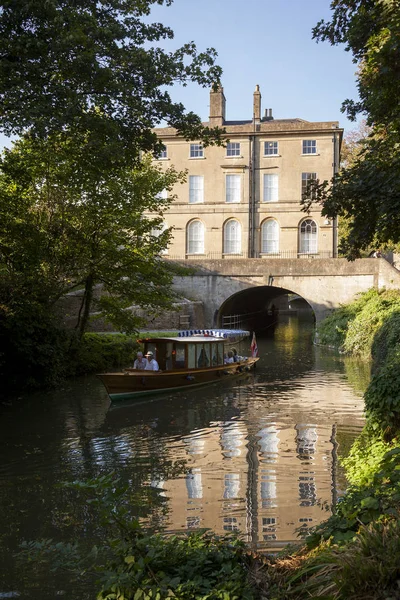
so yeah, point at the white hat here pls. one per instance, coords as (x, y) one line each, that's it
(149, 353)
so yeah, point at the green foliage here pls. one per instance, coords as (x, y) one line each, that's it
(366, 568)
(33, 345)
(100, 352)
(133, 564)
(62, 227)
(365, 456)
(367, 191)
(367, 322)
(332, 331)
(382, 398)
(104, 75)
(377, 497)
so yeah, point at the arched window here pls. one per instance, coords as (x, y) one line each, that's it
(270, 237)
(308, 237)
(232, 237)
(195, 238)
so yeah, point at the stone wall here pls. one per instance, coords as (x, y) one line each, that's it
(187, 314)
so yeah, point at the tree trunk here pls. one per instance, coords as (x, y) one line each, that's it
(84, 312)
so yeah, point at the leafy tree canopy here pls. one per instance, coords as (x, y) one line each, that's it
(367, 191)
(95, 67)
(59, 231)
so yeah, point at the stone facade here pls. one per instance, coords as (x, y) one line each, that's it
(243, 200)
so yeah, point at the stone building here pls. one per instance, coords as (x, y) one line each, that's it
(243, 200)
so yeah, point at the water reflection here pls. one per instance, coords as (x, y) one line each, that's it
(260, 454)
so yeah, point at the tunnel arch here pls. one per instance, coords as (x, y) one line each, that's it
(253, 307)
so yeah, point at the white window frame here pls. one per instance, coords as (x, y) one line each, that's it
(196, 151)
(196, 189)
(308, 234)
(271, 148)
(233, 149)
(309, 146)
(305, 179)
(271, 187)
(233, 188)
(270, 237)
(195, 237)
(163, 154)
(232, 237)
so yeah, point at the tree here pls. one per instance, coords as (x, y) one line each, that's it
(92, 67)
(61, 229)
(368, 190)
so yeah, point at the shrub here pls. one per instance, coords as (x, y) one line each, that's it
(100, 352)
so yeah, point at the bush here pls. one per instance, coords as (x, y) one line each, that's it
(35, 347)
(100, 352)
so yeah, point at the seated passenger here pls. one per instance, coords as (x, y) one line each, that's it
(152, 364)
(236, 357)
(140, 362)
(229, 359)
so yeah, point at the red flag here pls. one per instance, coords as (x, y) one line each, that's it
(253, 346)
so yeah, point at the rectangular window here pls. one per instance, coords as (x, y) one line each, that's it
(196, 189)
(271, 188)
(309, 146)
(196, 151)
(163, 154)
(233, 149)
(233, 185)
(306, 178)
(270, 148)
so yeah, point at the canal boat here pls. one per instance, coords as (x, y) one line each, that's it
(193, 358)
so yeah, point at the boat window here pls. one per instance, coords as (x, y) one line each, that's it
(191, 356)
(202, 360)
(179, 356)
(168, 356)
(217, 354)
(207, 350)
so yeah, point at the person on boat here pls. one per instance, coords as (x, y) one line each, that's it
(152, 364)
(236, 357)
(140, 362)
(229, 359)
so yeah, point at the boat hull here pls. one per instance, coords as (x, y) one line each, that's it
(132, 383)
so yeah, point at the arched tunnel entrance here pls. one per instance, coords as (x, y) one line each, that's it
(259, 309)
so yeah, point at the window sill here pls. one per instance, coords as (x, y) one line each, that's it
(196, 157)
(236, 156)
(272, 155)
(311, 154)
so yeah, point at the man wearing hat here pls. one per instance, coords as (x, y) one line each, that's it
(140, 362)
(152, 364)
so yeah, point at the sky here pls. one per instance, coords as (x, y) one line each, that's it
(269, 43)
(264, 42)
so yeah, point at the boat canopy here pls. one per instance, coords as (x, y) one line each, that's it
(218, 333)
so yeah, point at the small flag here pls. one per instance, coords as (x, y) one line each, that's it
(253, 346)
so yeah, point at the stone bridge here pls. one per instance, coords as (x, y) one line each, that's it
(231, 286)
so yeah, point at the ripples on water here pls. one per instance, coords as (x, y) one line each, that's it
(261, 454)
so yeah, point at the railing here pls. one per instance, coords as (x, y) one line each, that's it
(274, 256)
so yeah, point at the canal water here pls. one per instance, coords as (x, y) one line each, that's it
(260, 456)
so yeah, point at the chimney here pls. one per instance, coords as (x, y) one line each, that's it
(268, 115)
(257, 105)
(217, 107)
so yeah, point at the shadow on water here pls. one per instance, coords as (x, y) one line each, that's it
(261, 453)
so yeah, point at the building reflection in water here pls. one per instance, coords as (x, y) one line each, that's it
(257, 477)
